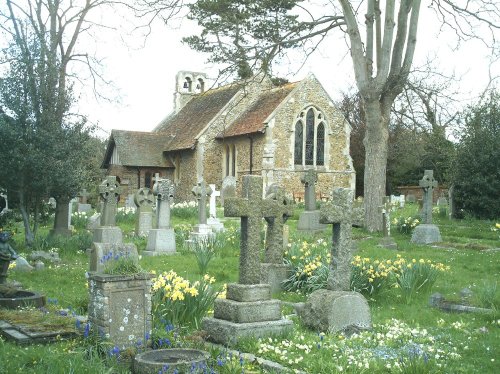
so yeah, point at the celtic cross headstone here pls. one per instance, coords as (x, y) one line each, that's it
(144, 200)
(309, 180)
(427, 183)
(109, 192)
(202, 191)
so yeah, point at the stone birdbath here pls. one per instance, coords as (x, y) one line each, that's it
(175, 359)
(10, 296)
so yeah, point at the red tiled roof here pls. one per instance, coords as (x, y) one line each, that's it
(185, 125)
(252, 120)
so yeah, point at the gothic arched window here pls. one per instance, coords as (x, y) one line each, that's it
(309, 143)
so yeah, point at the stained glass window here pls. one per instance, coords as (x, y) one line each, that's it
(299, 138)
(309, 156)
(320, 144)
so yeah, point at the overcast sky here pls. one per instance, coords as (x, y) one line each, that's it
(144, 77)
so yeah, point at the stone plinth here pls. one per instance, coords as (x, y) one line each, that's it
(201, 232)
(426, 234)
(274, 275)
(178, 360)
(215, 224)
(108, 234)
(103, 253)
(333, 311)
(247, 311)
(120, 307)
(160, 242)
(309, 221)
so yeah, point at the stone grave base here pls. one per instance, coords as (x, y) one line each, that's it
(215, 224)
(388, 242)
(100, 250)
(201, 232)
(226, 332)
(84, 207)
(22, 334)
(274, 275)
(309, 221)
(426, 234)
(108, 234)
(333, 311)
(144, 223)
(160, 242)
(60, 232)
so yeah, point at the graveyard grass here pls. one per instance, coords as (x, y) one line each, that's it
(407, 337)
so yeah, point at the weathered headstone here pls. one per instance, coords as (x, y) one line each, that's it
(83, 205)
(337, 308)
(387, 241)
(129, 202)
(442, 203)
(411, 199)
(273, 270)
(201, 231)
(228, 188)
(213, 221)
(144, 200)
(62, 218)
(161, 240)
(426, 232)
(309, 218)
(248, 309)
(400, 200)
(109, 193)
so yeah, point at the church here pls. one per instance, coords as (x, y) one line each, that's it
(246, 127)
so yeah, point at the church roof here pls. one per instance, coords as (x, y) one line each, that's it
(183, 127)
(137, 148)
(253, 119)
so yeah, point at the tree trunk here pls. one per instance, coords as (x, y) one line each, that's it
(375, 141)
(28, 234)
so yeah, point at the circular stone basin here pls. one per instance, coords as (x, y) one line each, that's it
(168, 360)
(22, 299)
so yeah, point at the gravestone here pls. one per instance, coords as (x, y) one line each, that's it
(109, 193)
(309, 218)
(248, 309)
(442, 203)
(4, 203)
(201, 231)
(144, 200)
(387, 241)
(426, 232)
(83, 205)
(411, 199)
(62, 218)
(452, 208)
(286, 236)
(228, 188)
(52, 203)
(161, 239)
(213, 221)
(400, 200)
(273, 270)
(130, 202)
(337, 308)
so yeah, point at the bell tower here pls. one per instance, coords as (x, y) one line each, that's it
(188, 84)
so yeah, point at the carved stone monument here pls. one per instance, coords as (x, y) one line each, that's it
(83, 205)
(201, 231)
(273, 270)
(213, 221)
(337, 308)
(427, 232)
(144, 200)
(108, 232)
(248, 309)
(62, 218)
(309, 218)
(161, 239)
(387, 241)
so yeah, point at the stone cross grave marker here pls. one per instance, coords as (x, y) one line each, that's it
(275, 225)
(144, 200)
(213, 205)
(109, 192)
(309, 180)
(83, 196)
(163, 189)
(251, 207)
(385, 209)
(341, 214)
(201, 191)
(428, 183)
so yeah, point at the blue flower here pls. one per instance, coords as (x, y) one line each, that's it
(78, 324)
(86, 330)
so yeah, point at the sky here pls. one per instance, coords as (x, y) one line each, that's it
(143, 71)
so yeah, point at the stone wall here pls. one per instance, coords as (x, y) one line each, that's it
(187, 176)
(419, 193)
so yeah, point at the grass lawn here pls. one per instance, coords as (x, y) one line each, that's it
(408, 336)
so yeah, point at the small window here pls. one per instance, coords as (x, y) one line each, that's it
(228, 159)
(147, 179)
(309, 143)
(320, 144)
(188, 85)
(177, 171)
(233, 160)
(299, 139)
